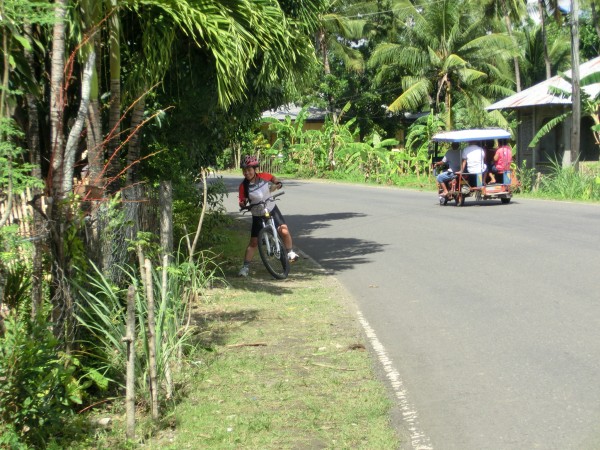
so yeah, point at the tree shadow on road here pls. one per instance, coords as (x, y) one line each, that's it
(333, 253)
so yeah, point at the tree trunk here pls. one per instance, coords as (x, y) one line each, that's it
(516, 58)
(151, 340)
(449, 121)
(57, 213)
(166, 217)
(91, 12)
(132, 192)
(576, 90)
(130, 383)
(542, 10)
(114, 115)
(2, 284)
(192, 248)
(75, 134)
(321, 38)
(33, 141)
(57, 100)
(135, 141)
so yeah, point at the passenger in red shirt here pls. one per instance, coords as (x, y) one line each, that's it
(502, 159)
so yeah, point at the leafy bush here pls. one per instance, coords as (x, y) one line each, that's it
(37, 387)
(526, 177)
(18, 283)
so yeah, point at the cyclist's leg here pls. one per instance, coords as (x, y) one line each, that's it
(253, 244)
(282, 228)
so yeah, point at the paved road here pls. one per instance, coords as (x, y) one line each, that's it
(488, 316)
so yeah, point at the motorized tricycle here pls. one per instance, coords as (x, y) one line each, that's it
(464, 184)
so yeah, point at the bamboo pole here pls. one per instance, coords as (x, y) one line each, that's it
(163, 293)
(151, 340)
(202, 213)
(130, 384)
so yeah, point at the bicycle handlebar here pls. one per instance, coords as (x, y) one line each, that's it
(272, 197)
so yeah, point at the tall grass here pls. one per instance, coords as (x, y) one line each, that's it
(566, 183)
(101, 312)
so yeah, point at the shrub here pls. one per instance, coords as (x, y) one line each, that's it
(37, 387)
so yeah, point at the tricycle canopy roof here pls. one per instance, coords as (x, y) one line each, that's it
(474, 134)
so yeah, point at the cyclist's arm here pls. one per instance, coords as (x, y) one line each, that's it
(242, 200)
(268, 177)
(276, 181)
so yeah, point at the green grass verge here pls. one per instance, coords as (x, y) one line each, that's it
(287, 367)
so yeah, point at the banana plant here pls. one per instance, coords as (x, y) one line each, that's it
(378, 156)
(290, 132)
(418, 139)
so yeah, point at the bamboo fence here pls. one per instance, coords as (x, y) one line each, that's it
(21, 212)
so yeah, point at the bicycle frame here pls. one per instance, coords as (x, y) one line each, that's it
(268, 221)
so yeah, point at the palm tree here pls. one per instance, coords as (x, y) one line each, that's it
(545, 7)
(444, 51)
(335, 32)
(533, 62)
(511, 11)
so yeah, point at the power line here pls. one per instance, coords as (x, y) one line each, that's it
(361, 15)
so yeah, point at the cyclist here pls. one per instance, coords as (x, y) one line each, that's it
(256, 187)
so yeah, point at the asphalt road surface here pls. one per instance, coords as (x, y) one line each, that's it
(485, 318)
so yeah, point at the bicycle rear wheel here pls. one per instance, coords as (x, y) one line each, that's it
(276, 262)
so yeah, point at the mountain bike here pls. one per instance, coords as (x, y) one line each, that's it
(270, 246)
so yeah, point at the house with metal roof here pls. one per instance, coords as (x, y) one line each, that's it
(536, 106)
(314, 119)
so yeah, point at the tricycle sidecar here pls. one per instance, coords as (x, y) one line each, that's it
(475, 184)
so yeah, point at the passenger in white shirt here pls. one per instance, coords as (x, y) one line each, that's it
(473, 158)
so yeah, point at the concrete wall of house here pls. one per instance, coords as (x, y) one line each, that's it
(313, 126)
(555, 146)
(272, 136)
(590, 150)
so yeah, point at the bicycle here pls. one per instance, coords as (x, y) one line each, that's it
(270, 246)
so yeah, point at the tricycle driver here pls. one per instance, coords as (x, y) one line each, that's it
(453, 159)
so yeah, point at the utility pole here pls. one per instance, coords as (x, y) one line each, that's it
(576, 89)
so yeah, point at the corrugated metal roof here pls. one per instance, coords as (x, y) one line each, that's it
(292, 110)
(538, 94)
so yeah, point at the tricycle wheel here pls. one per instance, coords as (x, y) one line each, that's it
(505, 200)
(460, 199)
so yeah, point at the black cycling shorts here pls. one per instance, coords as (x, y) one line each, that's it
(257, 221)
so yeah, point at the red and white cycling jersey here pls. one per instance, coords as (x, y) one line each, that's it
(258, 192)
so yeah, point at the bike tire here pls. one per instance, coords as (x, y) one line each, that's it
(278, 265)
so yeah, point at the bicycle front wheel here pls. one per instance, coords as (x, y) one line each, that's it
(275, 261)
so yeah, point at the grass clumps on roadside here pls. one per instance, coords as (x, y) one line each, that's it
(287, 369)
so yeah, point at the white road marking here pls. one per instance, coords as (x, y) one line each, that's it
(419, 439)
